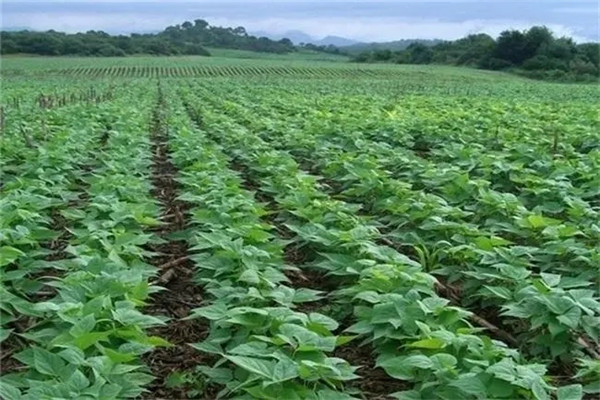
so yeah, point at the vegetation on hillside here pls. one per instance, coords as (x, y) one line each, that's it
(536, 53)
(395, 45)
(187, 39)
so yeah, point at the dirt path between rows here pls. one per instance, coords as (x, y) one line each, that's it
(176, 273)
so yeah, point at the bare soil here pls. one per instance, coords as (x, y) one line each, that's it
(181, 293)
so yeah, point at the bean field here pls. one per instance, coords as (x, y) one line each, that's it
(273, 229)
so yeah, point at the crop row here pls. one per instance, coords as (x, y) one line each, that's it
(79, 328)
(416, 335)
(363, 169)
(217, 71)
(542, 285)
(318, 243)
(262, 345)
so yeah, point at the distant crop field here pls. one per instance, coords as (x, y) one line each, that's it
(245, 228)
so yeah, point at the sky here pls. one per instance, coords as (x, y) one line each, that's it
(358, 20)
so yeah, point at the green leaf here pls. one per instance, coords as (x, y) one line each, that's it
(9, 392)
(4, 333)
(431, 343)
(212, 312)
(592, 388)
(285, 370)
(571, 392)
(539, 391)
(250, 276)
(343, 339)
(218, 375)
(469, 383)
(88, 339)
(499, 291)
(257, 349)
(402, 367)
(504, 370)
(260, 367)
(361, 327)
(176, 379)
(128, 316)
(539, 221)
(384, 312)
(78, 381)
(324, 320)
(84, 325)
(9, 254)
(73, 356)
(369, 296)
(207, 347)
(571, 318)
(110, 391)
(552, 280)
(46, 362)
(156, 341)
(119, 357)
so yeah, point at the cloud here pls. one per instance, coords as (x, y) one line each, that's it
(366, 29)
(366, 23)
(81, 22)
(386, 29)
(584, 10)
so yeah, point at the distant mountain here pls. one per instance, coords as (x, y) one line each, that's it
(346, 45)
(395, 45)
(298, 37)
(335, 41)
(17, 28)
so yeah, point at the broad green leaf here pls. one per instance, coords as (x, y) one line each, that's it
(402, 367)
(256, 349)
(250, 276)
(257, 366)
(285, 370)
(9, 254)
(212, 312)
(78, 381)
(431, 343)
(84, 325)
(499, 291)
(73, 355)
(539, 391)
(134, 317)
(571, 392)
(552, 280)
(47, 363)
(9, 392)
(469, 383)
(89, 339)
(4, 333)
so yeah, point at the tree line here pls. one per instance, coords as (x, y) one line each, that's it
(535, 53)
(185, 39)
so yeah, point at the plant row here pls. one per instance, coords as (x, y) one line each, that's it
(417, 336)
(90, 332)
(546, 279)
(263, 346)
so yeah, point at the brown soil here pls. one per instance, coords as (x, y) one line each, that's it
(181, 293)
(374, 383)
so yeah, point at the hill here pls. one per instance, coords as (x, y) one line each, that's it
(535, 53)
(356, 48)
(298, 37)
(186, 39)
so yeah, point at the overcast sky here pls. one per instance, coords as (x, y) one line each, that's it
(358, 20)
